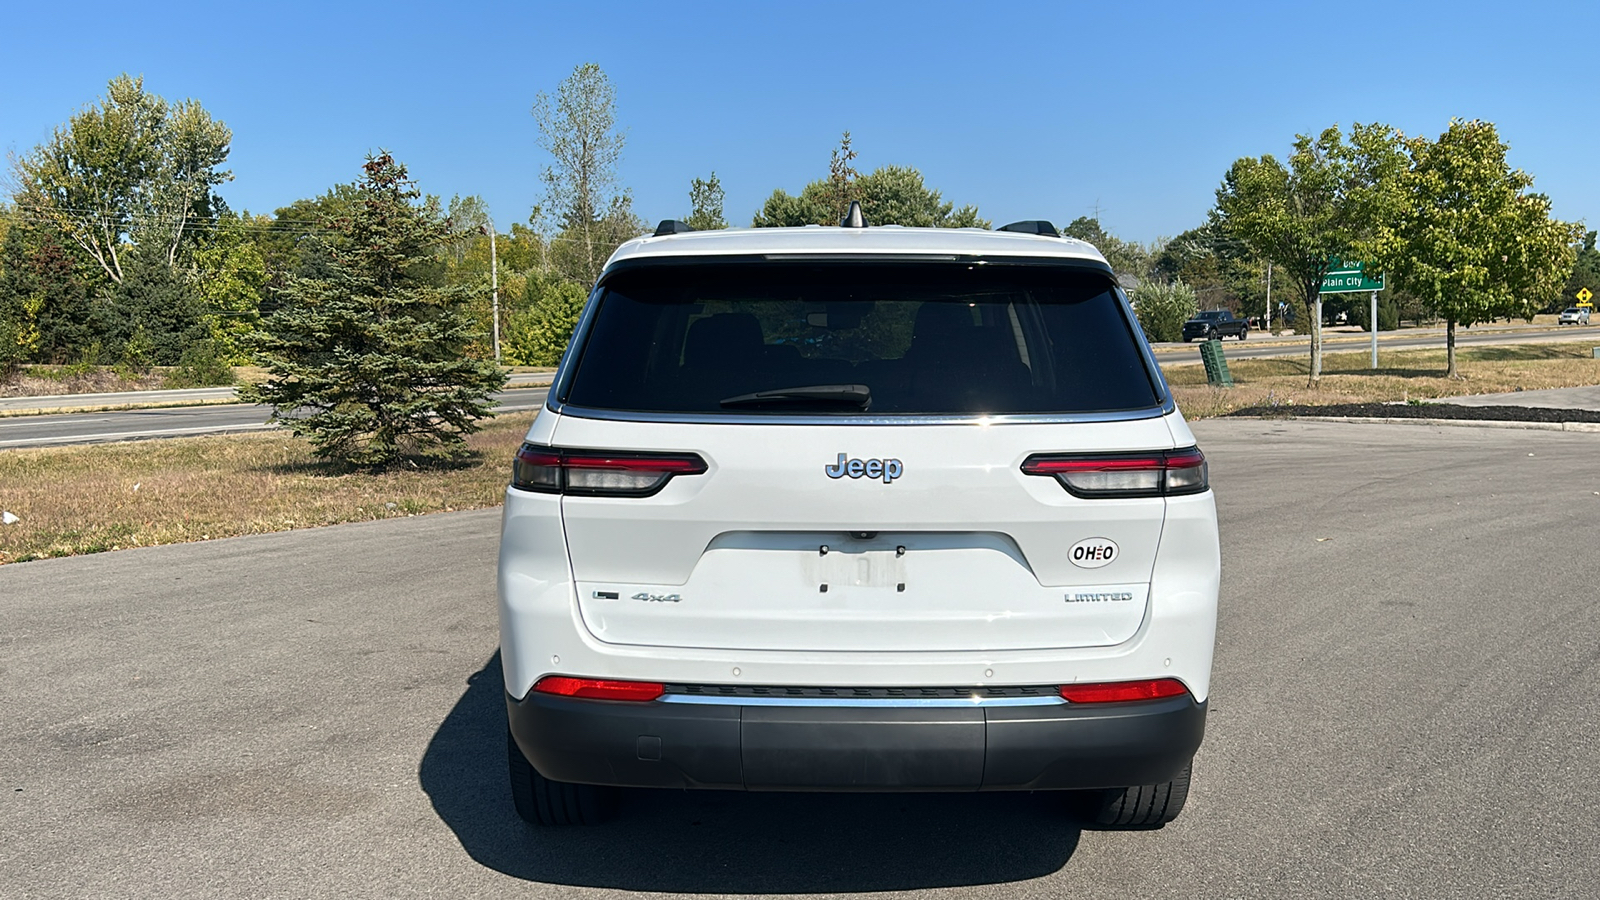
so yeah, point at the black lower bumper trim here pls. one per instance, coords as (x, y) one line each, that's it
(685, 745)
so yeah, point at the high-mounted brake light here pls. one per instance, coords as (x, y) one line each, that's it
(553, 470)
(599, 688)
(1154, 474)
(1123, 691)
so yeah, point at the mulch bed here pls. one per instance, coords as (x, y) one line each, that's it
(1426, 411)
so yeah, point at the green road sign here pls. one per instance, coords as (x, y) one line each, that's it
(1348, 278)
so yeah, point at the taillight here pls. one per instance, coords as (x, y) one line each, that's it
(1123, 691)
(599, 688)
(1155, 474)
(553, 470)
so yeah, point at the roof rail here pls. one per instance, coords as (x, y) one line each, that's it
(1032, 226)
(853, 218)
(671, 226)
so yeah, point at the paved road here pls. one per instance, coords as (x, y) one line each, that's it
(187, 395)
(1406, 688)
(1338, 343)
(183, 421)
(83, 428)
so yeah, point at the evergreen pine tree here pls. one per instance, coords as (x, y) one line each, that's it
(368, 359)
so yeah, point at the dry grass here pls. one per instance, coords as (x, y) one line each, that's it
(87, 499)
(1402, 375)
(39, 381)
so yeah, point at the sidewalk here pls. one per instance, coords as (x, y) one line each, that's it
(1552, 398)
(189, 397)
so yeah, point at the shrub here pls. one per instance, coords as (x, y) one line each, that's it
(13, 347)
(538, 334)
(1163, 308)
(202, 365)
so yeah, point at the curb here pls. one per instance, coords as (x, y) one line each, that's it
(1585, 427)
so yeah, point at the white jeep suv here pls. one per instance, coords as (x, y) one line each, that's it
(857, 509)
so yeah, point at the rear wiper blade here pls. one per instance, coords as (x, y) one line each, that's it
(858, 396)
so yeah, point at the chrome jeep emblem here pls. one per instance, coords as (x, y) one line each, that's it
(886, 469)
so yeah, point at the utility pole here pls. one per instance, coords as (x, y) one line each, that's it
(494, 281)
(1372, 324)
(1269, 298)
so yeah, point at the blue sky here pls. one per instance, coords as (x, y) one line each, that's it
(1029, 110)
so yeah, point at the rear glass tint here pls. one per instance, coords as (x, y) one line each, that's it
(923, 338)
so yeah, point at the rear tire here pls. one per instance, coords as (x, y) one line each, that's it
(541, 801)
(1244, 333)
(1144, 806)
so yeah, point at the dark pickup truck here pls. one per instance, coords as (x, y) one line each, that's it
(1215, 324)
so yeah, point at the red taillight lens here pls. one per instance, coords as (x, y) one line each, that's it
(596, 472)
(1124, 474)
(537, 469)
(599, 689)
(1123, 691)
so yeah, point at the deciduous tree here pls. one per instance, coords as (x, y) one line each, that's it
(705, 204)
(538, 332)
(889, 195)
(230, 275)
(1125, 257)
(1470, 239)
(130, 170)
(1324, 204)
(578, 128)
(1585, 272)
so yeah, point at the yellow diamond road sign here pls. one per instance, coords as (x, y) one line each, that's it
(1584, 294)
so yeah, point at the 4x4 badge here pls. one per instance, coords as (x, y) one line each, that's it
(887, 469)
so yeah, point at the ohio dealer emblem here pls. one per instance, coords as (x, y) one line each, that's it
(1092, 553)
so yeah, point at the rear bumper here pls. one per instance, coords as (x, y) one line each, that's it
(686, 745)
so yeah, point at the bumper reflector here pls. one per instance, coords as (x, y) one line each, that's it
(599, 689)
(1123, 691)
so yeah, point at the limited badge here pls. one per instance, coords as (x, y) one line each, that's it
(1092, 553)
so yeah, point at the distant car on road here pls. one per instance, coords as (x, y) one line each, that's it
(1215, 324)
(1574, 315)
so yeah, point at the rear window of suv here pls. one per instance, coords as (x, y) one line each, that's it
(882, 338)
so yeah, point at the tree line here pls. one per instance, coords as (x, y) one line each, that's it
(1459, 234)
(116, 248)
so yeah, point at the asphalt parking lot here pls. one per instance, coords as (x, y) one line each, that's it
(1407, 685)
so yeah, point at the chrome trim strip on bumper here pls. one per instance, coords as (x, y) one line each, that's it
(869, 702)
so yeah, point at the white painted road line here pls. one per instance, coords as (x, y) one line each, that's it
(129, 435)
(32, 422)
